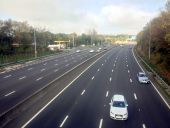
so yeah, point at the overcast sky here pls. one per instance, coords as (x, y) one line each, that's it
(67, 16)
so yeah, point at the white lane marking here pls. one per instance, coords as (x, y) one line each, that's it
(66, 65)
(10, 93)
(101, 122)
(128, 71)
(29, 69)
(115, 61)
(151, 82)
(33, 117)
(102, 64)
(130, 80)
(143, 125)
(2, 72)
(135, 96)
(127, 65)
(7, 76)
(56, 64)
(98, 70)
(39, 78)
(42, 69)
(107, 93)
(92, 78)
(45, 64)
(110, 79)
(114, 65)
(22, 77)
(55, 70)
(83, 92)
(61, 125)
(112, 70)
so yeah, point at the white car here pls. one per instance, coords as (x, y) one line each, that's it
(118, 107)
(142, 78)
(77, 50)
(91, 51)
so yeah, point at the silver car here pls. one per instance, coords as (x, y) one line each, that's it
(142, 78)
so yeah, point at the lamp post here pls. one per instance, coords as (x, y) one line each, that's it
(149, 40)
(35, 45)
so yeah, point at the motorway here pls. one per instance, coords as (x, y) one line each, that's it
(19, 84)
(85, 103)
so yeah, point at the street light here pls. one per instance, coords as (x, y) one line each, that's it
(149, 40)
(35, 45)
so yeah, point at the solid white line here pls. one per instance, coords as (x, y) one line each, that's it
(83, 92)
(101, 122)
(130, 80)
(55, 70)
(135, 96)
(39, 78)
(7, 76)
(92, 78)
(42, 69)
(143, 125)
(107, 93)
(22, 77)
(29, 69)
(10, 93)
(110, 79)
(98, 70)
(60, 91)
(64, 121)
(151, 82)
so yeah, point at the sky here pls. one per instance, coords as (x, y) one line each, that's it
(81, 16)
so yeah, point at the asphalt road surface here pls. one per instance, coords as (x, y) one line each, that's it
(85, 104)
(16, 85)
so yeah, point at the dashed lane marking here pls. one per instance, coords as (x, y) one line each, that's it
(107, 93)
(135, 96)
(7, 76)
(101, 122)
(29, 69)
(10, 93)
(65, 119)
(143, 125)
(22, 77)
(83, 92)
(110, 79)
(130, 80)
(92, 78)
(39, 78)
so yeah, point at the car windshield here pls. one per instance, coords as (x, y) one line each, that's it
(119, 104)
(142, 75)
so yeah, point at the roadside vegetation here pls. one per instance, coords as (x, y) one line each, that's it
(157, 34)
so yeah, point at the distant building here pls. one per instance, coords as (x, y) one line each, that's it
(55, 47)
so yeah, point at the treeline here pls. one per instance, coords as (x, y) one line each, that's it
(18, 37)
(156, 37)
